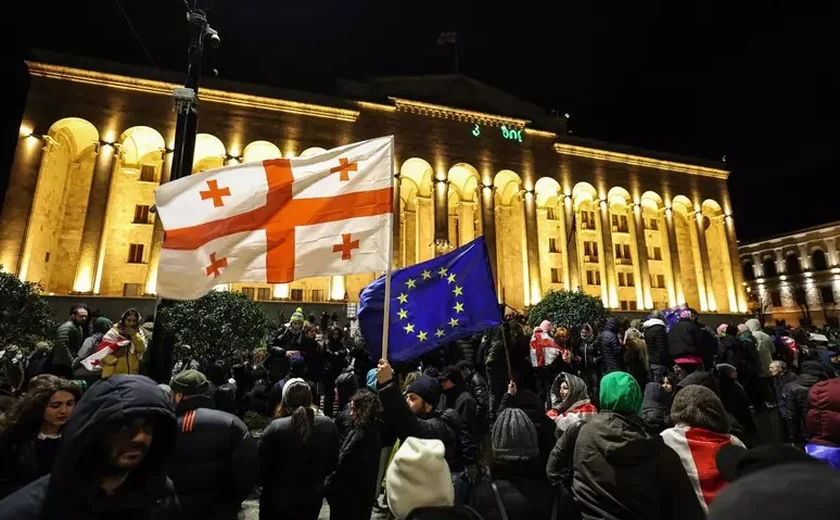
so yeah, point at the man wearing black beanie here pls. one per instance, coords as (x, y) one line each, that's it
(415, 415)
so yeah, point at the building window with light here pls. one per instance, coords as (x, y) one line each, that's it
(263, 294)
(249, 292)
(555, 275)
(135, 254)
(590, 252)
(296, 295)
(552, 213)
(141, 214)
(552, 246)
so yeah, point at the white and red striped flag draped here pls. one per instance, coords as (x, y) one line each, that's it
(278, 220)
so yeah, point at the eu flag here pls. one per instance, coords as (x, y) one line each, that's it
(432, 303)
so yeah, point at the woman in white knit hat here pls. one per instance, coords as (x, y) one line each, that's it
(418, 477)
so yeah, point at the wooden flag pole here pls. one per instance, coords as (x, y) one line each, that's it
(387, 306)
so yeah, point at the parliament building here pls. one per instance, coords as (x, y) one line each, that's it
(638, 229)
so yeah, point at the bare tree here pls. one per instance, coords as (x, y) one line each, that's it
(760, 305)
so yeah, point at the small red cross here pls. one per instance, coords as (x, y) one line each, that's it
(345, 168)
(95, 363)
(215, 193)
(346, 246)
(215, 265)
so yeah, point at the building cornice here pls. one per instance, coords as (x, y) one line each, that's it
(812, 234)
(638, 160)
(148, 86)
(457, 114)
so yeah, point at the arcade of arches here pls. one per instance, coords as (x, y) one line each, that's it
(91, 228)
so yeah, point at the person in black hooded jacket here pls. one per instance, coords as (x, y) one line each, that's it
(215, 464)
(479, 390)
(610, 346)
(335, 361)
(345, 386)
(456, 396)
(111, 462)
(797, 400)
(656, 340)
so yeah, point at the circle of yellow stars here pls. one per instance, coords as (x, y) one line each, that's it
(411, 283)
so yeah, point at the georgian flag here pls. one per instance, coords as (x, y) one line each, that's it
(278, 220)
(110, 343)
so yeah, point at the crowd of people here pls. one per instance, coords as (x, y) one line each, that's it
(650, 419)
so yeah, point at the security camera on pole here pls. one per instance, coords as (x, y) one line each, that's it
(186, 103)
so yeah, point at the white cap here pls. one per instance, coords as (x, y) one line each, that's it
(418, 477)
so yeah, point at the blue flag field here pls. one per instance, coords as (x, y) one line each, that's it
(432, 303)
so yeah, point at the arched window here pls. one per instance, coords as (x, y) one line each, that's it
(792, 264)
(769, 268)
(749, 271)
(818, 260)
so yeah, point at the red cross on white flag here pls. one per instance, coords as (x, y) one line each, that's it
(278, 220)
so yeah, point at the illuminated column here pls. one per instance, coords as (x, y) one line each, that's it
(673, 250)
(643, 271)
(337, 287)
(466, 220)
(488, 221)
(20, 197)
(757, 265)
(157, 233)
(441, 237)
(780, 262)
(609, 257)
(704, 283)
(572, 276)
(804, 259)
(532, 257)
(402, 243)
(425, 246)
(832, 254)
(735, 265)
(396, 208)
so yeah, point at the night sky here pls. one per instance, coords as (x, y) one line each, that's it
(759, 85)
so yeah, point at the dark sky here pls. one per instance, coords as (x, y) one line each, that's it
(752, 81)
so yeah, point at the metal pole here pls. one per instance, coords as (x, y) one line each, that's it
(186, 102)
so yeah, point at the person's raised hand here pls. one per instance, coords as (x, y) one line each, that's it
(384, 372)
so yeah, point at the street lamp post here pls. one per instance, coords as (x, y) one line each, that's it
(186, 102)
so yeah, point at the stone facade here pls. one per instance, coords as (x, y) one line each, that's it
(638, 229)
(795, 277)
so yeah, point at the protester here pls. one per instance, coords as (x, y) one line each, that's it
(656, 405)
(418, 477)
(656, 340)
(416, 416)
(478, 388)
(297, 370)
(517, 488)
(610, 346)
(732, 352)
(126, 344)
(765, 352)
(456, 396)
(31, 432)
(297, 452)
(570, 402)
(215, 464)
(701, 430)
(99, 328)
(544, 353)
(289, 342)
(797, 401)
(345, 387)
(335, 360)
(735, 400)
(620, 470)
(635, 357)
(69, 338)
(111, 462)
(711, 382)
(353, 485)
(685, 342)
(824, 422)
(591, 361)
(530, 403)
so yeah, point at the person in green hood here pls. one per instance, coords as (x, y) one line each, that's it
(622, 472)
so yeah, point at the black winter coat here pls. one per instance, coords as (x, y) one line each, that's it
(656, 340)
(733, 352)
(215, 464)
(481, 393)
(624, 473)
(610, 346)
(448, 427)
(656, 408)
(72, 492)
(351, 488)
(462, 401)
(685, 339)
(735, 401)
(292, 474)
(523, 488)
(797, 400)
(24, 461)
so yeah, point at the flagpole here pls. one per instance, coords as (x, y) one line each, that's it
(386, 308)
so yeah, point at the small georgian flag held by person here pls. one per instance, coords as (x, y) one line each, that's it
(278, 220)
